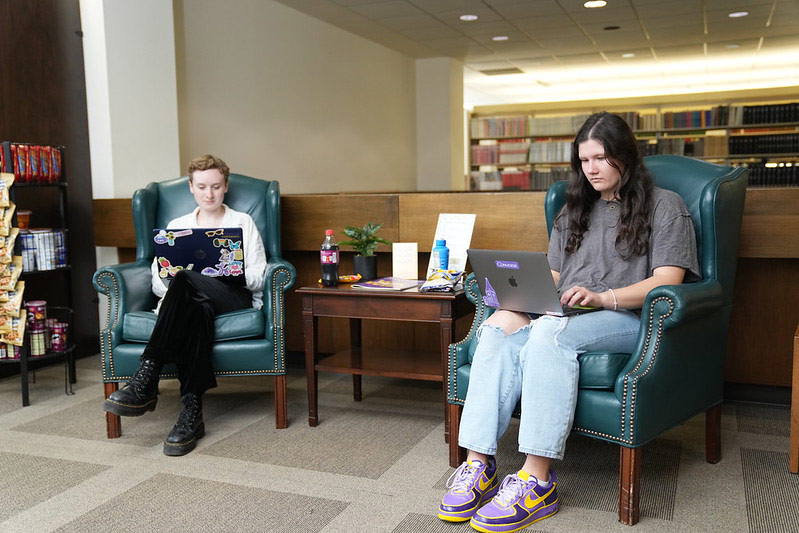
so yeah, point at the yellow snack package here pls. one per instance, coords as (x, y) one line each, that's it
(14, 304)
(17, 334)
(7, 250)
(5, 219)
(6, 180)
(10, 274)
(5, 324)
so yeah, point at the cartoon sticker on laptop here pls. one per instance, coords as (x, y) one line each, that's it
(168, 237)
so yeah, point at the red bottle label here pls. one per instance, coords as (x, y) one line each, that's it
(328, 256)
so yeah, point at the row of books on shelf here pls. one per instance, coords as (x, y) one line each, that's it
(782, 174)
(765, 144)
(717, 116)
(520, 151)
(517, 179)
(711, 146)
(31, 163)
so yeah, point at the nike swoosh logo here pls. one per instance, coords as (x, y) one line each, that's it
(483, 486)
(530, 503)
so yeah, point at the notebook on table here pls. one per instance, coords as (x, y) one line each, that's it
(519, 281)
(214, 252)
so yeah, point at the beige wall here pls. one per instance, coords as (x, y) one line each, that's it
(281, 95)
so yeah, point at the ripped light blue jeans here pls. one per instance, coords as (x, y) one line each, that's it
(537, 363)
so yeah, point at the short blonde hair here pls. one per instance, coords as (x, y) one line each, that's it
(208, 162)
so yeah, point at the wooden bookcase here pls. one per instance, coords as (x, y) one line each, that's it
(529, 150)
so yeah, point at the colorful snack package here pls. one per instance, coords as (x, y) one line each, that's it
(5, 324)
(33, 163)
(23, 151)
(8, 248)
(6, 180)
(2, 158)
(14, 304)
(56, 166)
(10, 274)
(46, 163)
(14, 160)
(6, 214)
(17, 334)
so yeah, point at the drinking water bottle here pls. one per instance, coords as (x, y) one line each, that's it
(441, 255)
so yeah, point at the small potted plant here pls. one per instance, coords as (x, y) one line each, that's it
(364, 241)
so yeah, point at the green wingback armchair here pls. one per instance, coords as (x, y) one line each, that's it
(676, 369)
(246, 342)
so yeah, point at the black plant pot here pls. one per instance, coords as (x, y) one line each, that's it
(366, 266)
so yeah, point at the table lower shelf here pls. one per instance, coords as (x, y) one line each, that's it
(406, 364)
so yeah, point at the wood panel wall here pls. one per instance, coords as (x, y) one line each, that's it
(43, 101)
(763, 322)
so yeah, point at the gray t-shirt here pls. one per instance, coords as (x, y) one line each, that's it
(598, 266)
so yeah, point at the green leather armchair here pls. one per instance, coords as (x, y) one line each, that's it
(676, 369)
(246, 342)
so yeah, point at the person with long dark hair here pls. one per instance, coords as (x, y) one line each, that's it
(617, 238)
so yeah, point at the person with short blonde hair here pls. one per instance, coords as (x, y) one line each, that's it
(184, 330)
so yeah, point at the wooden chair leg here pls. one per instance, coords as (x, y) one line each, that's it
(113, 423)
(456, 454)
(629, 484)
(281, 416)
(713, 434)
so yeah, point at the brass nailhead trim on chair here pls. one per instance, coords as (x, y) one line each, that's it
(478, 319)
(278, 339)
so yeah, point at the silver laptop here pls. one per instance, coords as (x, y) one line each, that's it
(519, 281)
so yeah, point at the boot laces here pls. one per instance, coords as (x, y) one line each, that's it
(191, 408)
(143, 377)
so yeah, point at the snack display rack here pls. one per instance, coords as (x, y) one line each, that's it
(39, 333)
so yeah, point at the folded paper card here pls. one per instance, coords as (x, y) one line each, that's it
(405, 260)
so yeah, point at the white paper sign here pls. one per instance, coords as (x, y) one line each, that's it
(405, 260)
(457, 229)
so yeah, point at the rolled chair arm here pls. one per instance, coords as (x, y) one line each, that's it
(279, 277)
(128, 288)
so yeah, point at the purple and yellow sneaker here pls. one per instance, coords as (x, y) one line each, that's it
(470, 486)
(519, 502)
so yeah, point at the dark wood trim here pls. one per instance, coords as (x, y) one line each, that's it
(281, 415)
(713, 434)
(629, 484)
(113, 423)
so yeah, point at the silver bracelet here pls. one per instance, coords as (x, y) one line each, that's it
(615, 301)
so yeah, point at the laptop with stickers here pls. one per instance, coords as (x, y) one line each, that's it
(214, 252)
(519, 281)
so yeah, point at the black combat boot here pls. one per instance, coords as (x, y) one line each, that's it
(189, 427)
(139, 395)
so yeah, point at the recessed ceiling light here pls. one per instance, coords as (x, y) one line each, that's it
(499, 38)
(732, 45)
(592, 4)
(628, 54)
(611, 28)
(469, 18)
(737, 14)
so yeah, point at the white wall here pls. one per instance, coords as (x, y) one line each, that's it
(439, 124)
(280, 95)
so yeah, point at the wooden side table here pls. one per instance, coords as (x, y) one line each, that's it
(794, 461)
(357, 304)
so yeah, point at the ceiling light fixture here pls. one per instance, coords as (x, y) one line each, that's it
(628, 54)
(499, 38)
(593, 4)
(468, 18)
(732, 45)
(611, 28)
(738, 14)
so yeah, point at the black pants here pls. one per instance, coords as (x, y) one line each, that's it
(184, 331)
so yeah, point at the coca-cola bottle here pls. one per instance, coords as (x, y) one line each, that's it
(328, 257)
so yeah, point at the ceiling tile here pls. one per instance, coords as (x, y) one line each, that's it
(748, 45)
(393, 8)
(422, 34)
(453, 17)
(348, 3)
(439, 6)
(606, 14)
(671, 10)
(580, 59)
(679, 52)
(498, 27)
(738, 5)
(570, 45)
(527, 9)
(412, 22)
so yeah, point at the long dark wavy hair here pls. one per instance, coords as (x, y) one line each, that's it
(634, 192)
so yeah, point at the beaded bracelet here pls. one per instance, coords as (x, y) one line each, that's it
(615, 301)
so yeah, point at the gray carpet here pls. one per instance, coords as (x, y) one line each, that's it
(375, 465)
